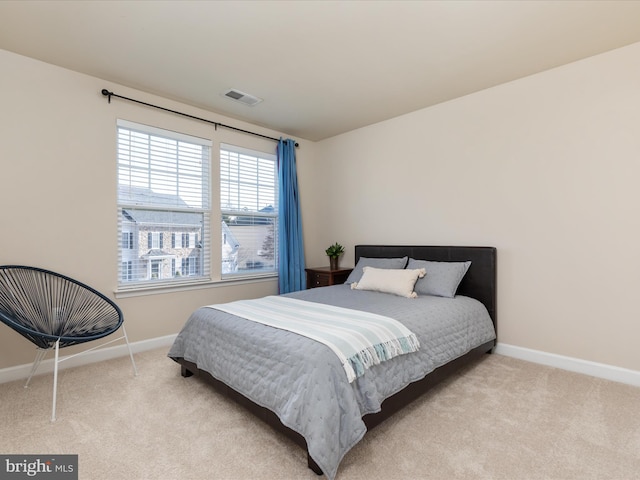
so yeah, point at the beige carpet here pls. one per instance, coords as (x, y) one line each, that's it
(500, 419)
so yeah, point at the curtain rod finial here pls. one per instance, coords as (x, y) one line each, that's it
(107, 93)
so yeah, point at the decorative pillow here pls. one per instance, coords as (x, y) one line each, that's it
(442, 278)
(389, 280)
(356, 273)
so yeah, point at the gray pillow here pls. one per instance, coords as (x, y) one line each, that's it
(442, 278)
(356, 273)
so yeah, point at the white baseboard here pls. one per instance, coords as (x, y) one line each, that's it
(600, 370)
(21, 372)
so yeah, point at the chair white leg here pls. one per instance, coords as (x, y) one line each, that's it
(126, 339)
(40, 353)
(55, 381)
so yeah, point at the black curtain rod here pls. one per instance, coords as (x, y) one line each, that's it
(109, 94)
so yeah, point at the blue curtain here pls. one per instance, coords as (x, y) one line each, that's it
(290, 246)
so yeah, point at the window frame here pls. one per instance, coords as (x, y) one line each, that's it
(256, 211)
(179, 170)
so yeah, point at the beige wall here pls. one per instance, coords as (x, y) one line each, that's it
(545, 168)
(58, 191)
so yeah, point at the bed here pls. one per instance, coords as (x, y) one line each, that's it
(298, 385)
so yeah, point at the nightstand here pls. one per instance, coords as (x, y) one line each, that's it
(324, 276)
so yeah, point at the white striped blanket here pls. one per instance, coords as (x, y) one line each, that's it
(359, 339)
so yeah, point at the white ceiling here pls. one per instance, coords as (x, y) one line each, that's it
(322, 67)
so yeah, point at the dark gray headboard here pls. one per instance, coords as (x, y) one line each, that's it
(480, 282)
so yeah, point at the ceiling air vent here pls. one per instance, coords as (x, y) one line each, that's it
(241, 97)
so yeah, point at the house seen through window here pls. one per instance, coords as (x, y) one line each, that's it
(249, 212)
(163, 206)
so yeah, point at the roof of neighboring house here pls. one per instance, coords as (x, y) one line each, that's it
(156, 253)
(132, 195)
(145, 196)
(253, 218)
(160, 218)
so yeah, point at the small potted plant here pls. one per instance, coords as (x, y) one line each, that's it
(333, 252)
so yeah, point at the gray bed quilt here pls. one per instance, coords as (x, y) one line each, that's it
(303, 381)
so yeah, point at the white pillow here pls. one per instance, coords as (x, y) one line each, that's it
(389, 280)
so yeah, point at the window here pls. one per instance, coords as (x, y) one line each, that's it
(163, 200)
(189, 240)
(249, 212)
(154, 240)
(176, 240)
(125, 270)
(127, 240)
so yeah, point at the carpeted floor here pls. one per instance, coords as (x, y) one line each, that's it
(499, 419)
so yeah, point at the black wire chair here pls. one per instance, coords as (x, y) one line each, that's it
(54, 311)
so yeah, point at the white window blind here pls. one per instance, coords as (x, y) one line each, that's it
(249, 212)
(163, 193)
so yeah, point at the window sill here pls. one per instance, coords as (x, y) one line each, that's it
(139, 291)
